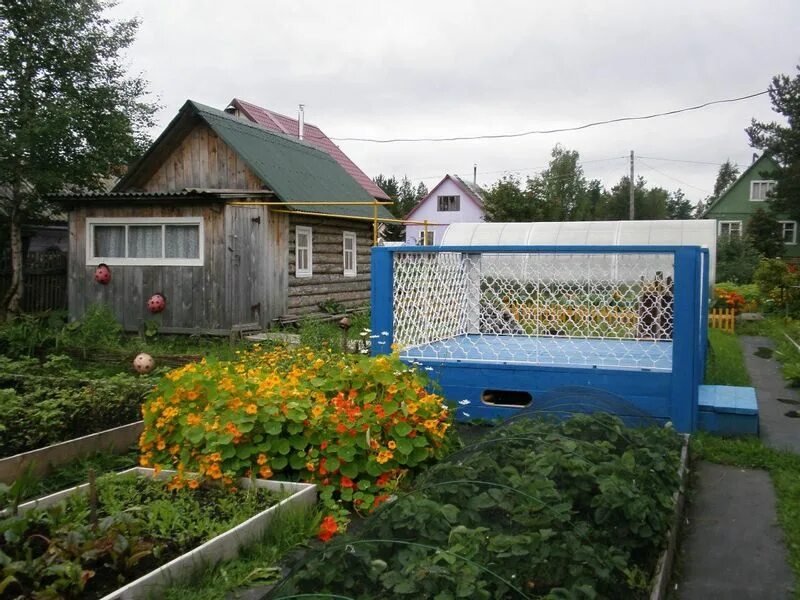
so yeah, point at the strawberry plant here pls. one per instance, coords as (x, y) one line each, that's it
(538, 509)
(353, 424)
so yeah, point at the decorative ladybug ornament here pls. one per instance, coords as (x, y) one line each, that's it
(143, 363)
(157, 303)
(102, 274)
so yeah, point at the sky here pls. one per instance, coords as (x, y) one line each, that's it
(386, 69)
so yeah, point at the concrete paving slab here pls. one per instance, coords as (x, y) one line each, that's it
(777, 430)
(733, 548)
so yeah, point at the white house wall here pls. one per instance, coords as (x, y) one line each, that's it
(427, 211)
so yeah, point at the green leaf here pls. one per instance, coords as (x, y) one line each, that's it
(273, 427)
(350, 469)
(405, 446)
(401, 430)
(332, 464)
(278, 463)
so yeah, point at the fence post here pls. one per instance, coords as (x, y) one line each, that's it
(685, 379)
(382, 297)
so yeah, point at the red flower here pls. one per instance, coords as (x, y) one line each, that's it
(380, 500)
(346, 482)
(327, 528)
(323, 445)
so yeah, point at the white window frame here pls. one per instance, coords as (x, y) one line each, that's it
(721, 223)
(432, 235)
(309, 271)
(794, 232)
(92, 222)
(457, 203)
(760, 181)
(349, 235)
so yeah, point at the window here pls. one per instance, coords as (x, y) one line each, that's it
(145, 241)
(449, 203)
(426, 241)
(789, 232)
(760, 189)
(730, 228)
(349, 253)
(303, 252)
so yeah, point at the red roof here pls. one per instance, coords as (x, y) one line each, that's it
(311, 134)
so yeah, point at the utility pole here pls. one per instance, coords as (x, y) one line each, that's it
(630, 208)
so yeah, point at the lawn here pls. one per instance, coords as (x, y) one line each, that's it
(725, 362)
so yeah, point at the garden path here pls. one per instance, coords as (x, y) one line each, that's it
(734, 547)
(775, 398)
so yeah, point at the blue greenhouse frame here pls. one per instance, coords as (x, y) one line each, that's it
(664, 395)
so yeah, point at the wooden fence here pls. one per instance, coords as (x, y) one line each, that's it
(44, 277)
(722, 318)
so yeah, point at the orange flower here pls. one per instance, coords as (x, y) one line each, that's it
(392, 444)
(251, 409)
(346, 482)
(327, 528)
(384, 456)
(215, 457)
(310, 466)
(193, 419)
(192, 395)
(262, 459)
(265, 472)
(194, 484)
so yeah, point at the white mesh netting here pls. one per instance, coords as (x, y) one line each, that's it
(577, 309)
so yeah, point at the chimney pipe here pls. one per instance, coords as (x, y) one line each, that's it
(755, 157)
(475, 174)
(301, 118)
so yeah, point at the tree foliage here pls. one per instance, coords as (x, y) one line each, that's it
(404, 196)
(782, 142)
(70, 115)
(727, 174)
(737, 259)
(764, 233)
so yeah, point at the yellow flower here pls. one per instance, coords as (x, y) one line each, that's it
(317, 410)
(161, 444)
(392, 445)
(251, 409)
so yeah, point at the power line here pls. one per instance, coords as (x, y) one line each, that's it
(652, 168)
(680, 160)
(536, 169)
(547, 131)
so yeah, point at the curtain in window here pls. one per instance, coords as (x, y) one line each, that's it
(109, 241)
(144, 241)
(182, 241)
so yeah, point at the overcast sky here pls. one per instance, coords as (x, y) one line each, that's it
(383, 69)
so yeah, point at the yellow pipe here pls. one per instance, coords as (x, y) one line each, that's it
(425, 233)
(355, 217)
(374, 224)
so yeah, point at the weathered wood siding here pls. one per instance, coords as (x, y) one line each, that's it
(328, 282)
(195, 295)
(256, 281)
(202, 160)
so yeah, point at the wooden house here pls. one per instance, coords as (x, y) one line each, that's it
(232, 223)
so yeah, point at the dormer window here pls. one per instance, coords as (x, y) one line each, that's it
(449, 203)
(760, 189)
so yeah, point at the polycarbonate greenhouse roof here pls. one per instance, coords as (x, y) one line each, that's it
(690, 232)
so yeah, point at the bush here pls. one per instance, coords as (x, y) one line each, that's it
(97, 330)
(727, 294)
(778, 283)
(736, 260)
(27, 335)
(350, 423)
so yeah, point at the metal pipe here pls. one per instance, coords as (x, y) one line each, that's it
(356, 217)
(374, 224)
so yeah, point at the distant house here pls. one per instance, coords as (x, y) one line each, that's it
(734, 207)
(452, 200)
(213, 217)
(311, 134)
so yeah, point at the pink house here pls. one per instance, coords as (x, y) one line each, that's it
(452, 200)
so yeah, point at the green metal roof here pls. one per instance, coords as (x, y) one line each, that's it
(295, 171)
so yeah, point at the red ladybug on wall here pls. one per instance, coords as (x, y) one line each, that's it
(157, 303)
(102, 274)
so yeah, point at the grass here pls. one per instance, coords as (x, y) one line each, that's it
(725, 363)
(784, 469)
(256, 565)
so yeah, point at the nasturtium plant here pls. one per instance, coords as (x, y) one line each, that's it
(354, 425)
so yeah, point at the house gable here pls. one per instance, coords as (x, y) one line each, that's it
(470, 209)
(203, 161)
(735, 201)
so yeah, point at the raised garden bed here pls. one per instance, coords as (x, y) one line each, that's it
(41, 461)
(40, 410)
(130, 534)
(580, 508)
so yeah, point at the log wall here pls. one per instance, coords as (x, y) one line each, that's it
(328, 282)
